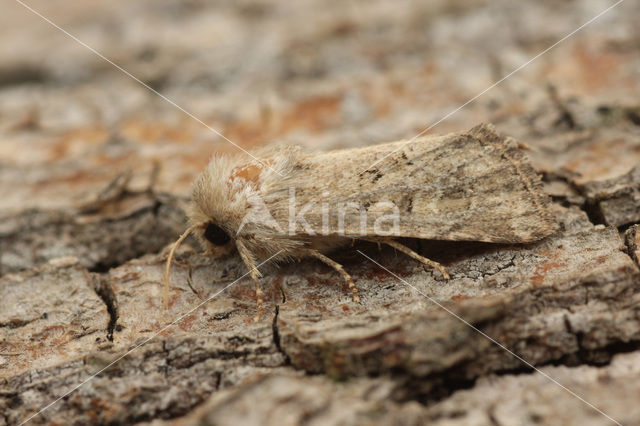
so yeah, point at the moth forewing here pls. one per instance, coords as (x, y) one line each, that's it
(471, 186)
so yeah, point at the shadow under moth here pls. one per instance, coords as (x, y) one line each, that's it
(286, 204)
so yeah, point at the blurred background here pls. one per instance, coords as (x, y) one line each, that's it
(322, 74)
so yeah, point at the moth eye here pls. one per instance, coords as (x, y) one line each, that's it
(216, 235)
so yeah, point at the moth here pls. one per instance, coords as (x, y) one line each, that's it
(288, 204)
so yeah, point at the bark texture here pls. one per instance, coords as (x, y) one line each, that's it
(94, 178)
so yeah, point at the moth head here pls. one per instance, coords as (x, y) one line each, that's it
(220, 200)
(219, 204)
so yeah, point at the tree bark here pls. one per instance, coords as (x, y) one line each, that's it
(95, 173)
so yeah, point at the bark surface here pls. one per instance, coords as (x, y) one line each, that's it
(94, 179)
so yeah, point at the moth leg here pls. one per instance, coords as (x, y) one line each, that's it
(338, 267)
(255, 275)
(406, 250)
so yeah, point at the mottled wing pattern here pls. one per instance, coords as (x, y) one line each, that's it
(473, 186)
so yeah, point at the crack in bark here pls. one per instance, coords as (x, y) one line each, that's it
(276, 336)
(103, 289)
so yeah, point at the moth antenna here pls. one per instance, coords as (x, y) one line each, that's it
(179, 241)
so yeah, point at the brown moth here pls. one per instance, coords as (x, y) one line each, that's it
(285, 203)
